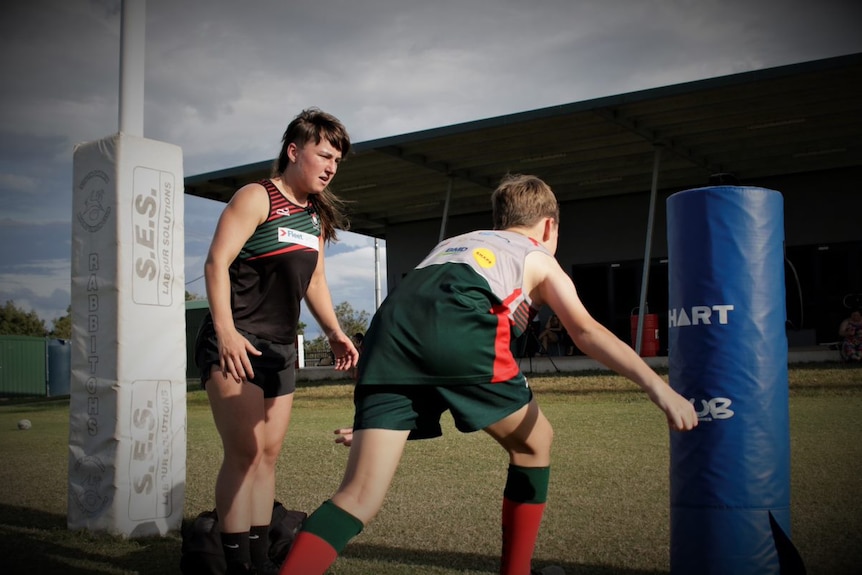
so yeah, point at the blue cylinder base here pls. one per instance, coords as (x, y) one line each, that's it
(740, 541)
(730, 476)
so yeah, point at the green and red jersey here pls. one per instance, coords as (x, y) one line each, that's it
(453, 318)
(270, 275)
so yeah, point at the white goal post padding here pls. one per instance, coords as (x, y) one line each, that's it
(127, 425)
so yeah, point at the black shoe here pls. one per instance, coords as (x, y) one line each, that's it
(549, 570)
(240, 569)
(268, 568)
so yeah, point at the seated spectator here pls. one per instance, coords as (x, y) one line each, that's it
(567, 343)
(358, 338)
(551, 334)
(850, 331)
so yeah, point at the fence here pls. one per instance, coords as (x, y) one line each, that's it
(319, 358)
(41, 367)
(34, 366)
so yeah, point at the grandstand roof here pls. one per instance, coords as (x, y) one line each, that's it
(790, 119)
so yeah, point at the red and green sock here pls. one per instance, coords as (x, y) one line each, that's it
(324, 535)
(523, 506)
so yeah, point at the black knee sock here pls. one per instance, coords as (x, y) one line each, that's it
(259, 545)
(236, 549)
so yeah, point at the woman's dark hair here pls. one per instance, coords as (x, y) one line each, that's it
(313, 125)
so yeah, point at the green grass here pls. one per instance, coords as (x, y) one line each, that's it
(607, 511)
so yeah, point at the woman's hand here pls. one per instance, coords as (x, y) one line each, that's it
(234, 350)
(345, 352)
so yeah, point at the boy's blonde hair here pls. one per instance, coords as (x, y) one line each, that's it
(522, 200)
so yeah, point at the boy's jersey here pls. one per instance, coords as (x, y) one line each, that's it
(271, 273)
(453, 318)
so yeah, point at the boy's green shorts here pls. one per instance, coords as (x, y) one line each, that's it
(418, 407)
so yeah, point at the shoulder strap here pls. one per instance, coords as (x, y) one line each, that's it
(270, 187)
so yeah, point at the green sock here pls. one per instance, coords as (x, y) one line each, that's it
(527, 484)
(333, 524)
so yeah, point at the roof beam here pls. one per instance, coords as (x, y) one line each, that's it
(653, 137)
(436, 166)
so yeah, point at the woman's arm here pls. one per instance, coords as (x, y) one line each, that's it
(319, 301)
(245, 211)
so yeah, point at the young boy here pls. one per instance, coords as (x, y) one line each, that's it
(441, 341)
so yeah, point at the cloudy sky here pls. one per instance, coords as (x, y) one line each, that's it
(224, 77)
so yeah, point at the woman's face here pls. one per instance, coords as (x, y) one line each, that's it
(856, 317)
(313, 165)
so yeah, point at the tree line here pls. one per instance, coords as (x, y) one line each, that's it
(17, 321)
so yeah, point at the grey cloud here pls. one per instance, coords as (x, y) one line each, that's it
(48, 241)
(33, 185)
(51, 44)
(224, 77)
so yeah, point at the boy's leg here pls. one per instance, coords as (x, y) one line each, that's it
(372, 462)
(527, 436)
(371, 465)
(523, 507)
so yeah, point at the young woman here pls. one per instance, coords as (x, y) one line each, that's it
(265, 257)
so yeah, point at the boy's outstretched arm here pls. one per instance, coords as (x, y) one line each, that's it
(553, 287)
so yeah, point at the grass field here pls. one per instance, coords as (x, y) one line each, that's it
(607, 511)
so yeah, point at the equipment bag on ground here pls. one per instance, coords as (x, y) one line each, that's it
(201, 548)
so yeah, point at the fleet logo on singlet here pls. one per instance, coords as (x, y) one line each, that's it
(714, 409)
(699, 315)
(484, 257)
(289, 236)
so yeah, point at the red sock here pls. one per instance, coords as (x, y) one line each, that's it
(520, 530)
(309, 555)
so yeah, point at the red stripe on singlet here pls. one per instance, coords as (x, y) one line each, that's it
(505, 367)
(292, 248)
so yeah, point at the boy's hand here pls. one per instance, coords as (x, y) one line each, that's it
(680, 413)
(345, 436)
